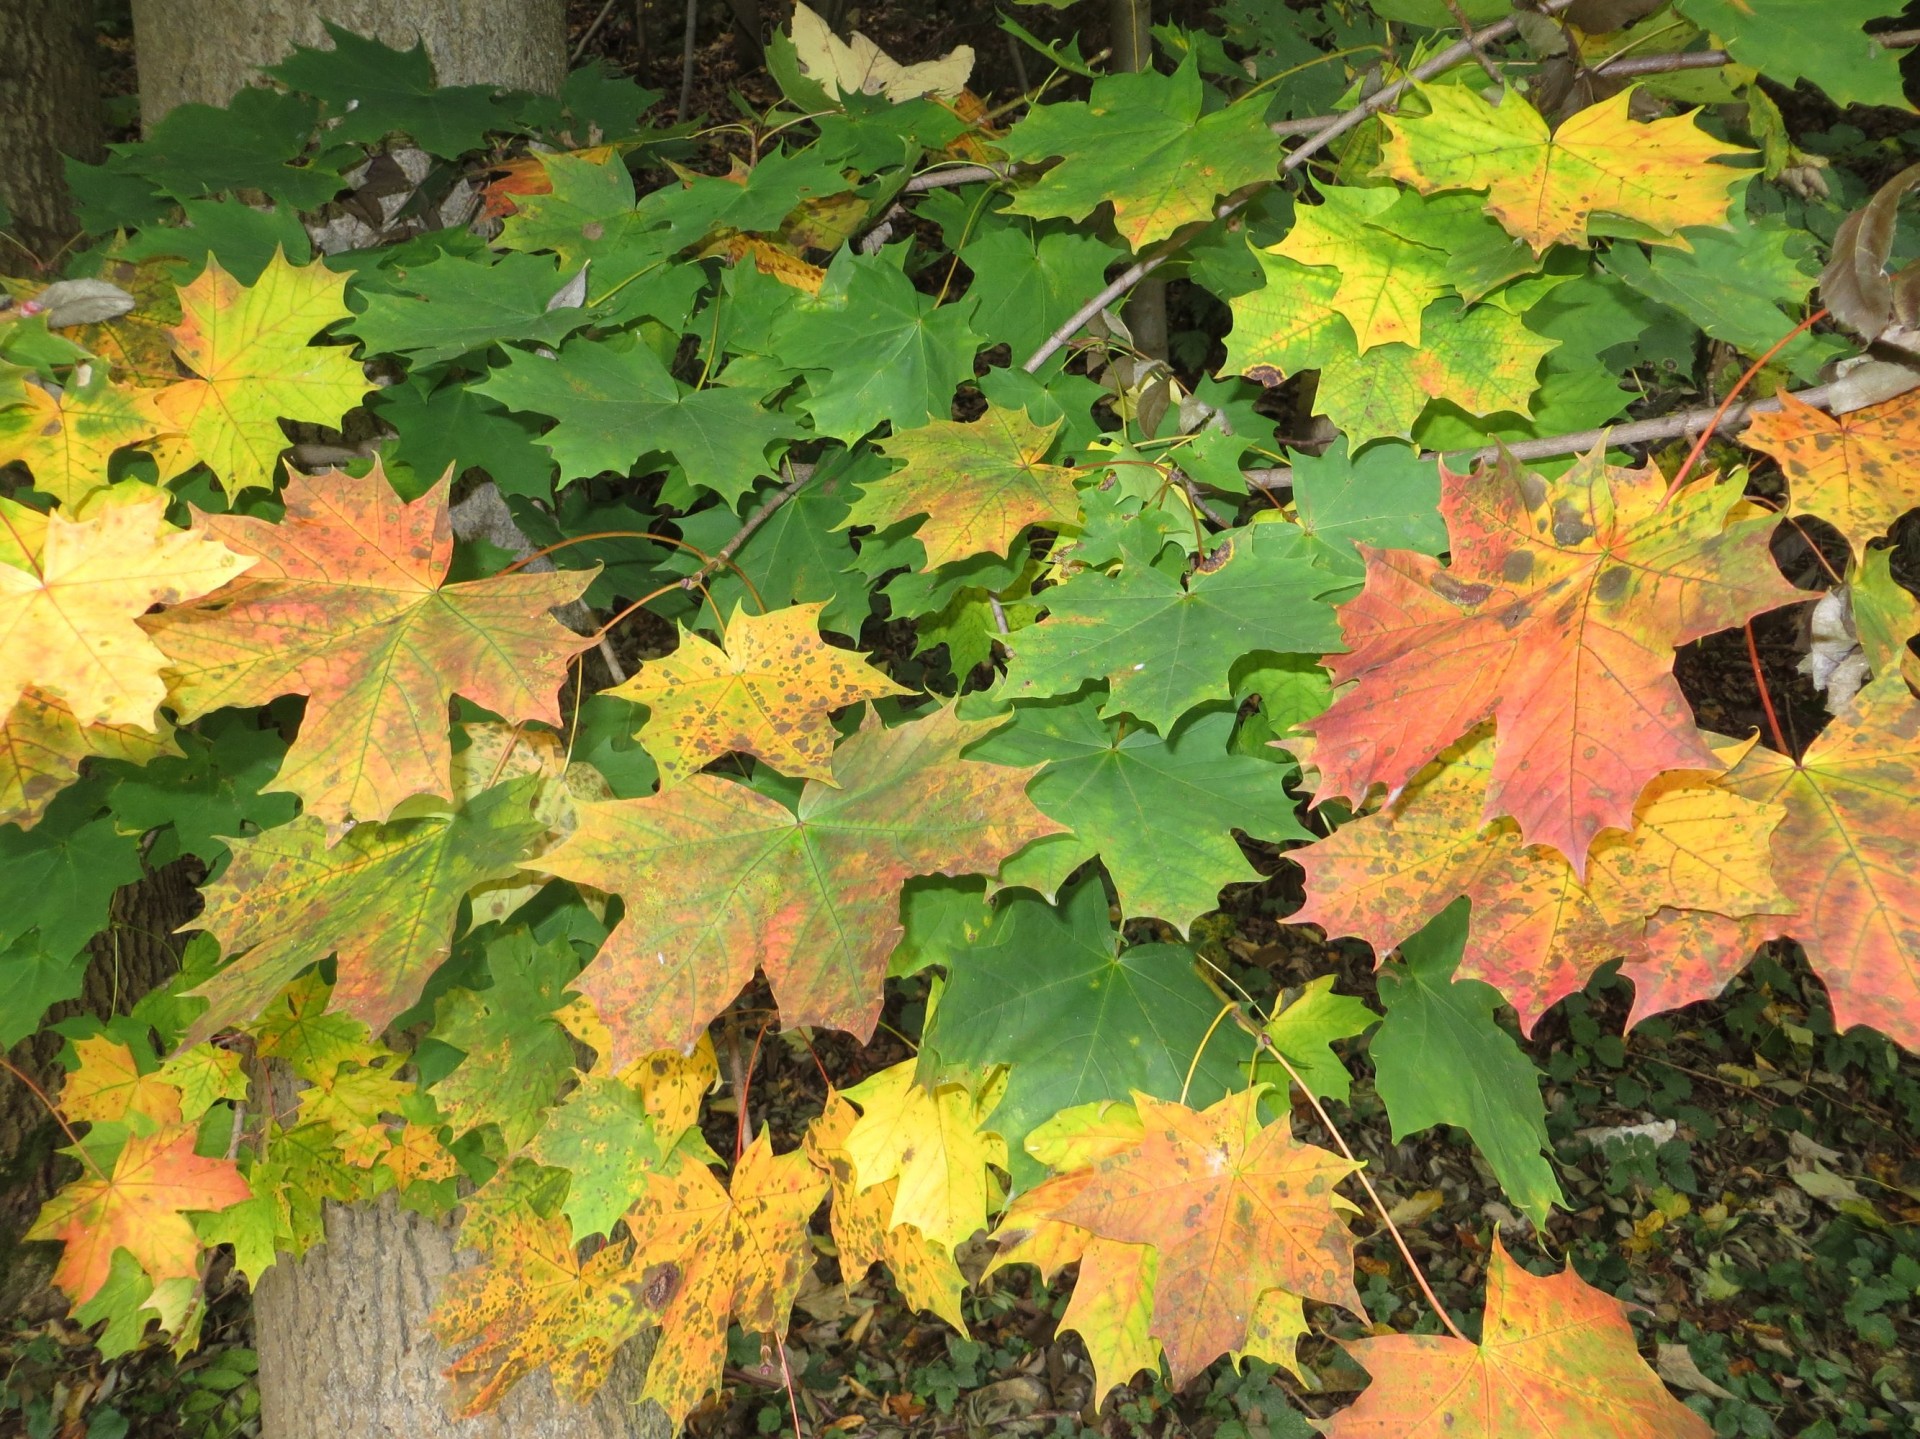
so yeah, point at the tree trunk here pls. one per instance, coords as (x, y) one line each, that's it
(1130, 23)
(136, 953)
(49, 107)
(345, 1352)
(203, 51)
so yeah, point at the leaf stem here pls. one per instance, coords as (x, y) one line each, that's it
(1228, 1008)
(1766, 699)
(1700, 445)
(724, 556)
(53, 1109)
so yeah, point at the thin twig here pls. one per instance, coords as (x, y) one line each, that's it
(53, 1109)
(1332, 130)
(587, 38)
(1628, 66)
(686, 60)
(725, 554)
(1491, 70)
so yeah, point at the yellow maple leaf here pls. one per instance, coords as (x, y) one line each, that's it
(247, 346)
(768, 693)
(108, 1086)
(863, 68)
(66, 439)
(1545, 186)
(931, 1141)
(1855, 471)
(42, 744)
(71, 589)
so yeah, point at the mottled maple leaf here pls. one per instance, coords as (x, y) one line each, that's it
(141, 1207)
(247, 346)
(929, 1141)
(737, 1253)
(66, 439)
(1558, 619)
(1538, 932)
(1556, 1359)
(768, 692)
(108, 1085)
(863, 1227)
(347, 604)
(382, 902)
(979, 484)
(1545, 187)
(71, 589)
(41, 746)
(719, 879)
(1846, 855)
(1856, 471)
(1233, 1210)
(1384, 280)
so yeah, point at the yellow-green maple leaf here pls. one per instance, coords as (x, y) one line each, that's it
(929, 1139)
(768, 693)
(1544, 187)
(41, 746)
(247, 346)
(1385, 280)
(66, 439)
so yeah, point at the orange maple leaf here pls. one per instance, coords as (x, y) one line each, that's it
(347, 604)
(1855, 471)
(1846, 855)
(719, 879)
(1696, 860)
(141, 1208)
(767, 693)
(1232, 1209)
(1558, 619)
(1556, 1358)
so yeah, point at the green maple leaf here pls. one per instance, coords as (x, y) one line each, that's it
(588, 217)
(755, 203)
(1440, 1058)
(612, 406)
(1385, 279)
(258, 141)
(1165, 647)
(382, 901)
(372, 90)
(517, 1053)
(1028, 279)
(446, 307)
(456, 426)
(56, 879)
(1479, 255)
(1825, 43)
(1049, 991)
(211, 792)
(1142, 142)
(1386, 495)
(874, 348)
(1304, 1032)
(603, 1135)
(1160, 813)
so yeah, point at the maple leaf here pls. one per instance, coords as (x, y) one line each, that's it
(979, 484)
(41, 746)
(531, 1301)
(1844, 855)
(719, 879)
(1233, 1209)
(1557, 618)
(863, 1227)
(1385, 280)
(1855, 470)
(141, 1207)
(1141, 142)
(1546, 187)
(346, 603)
(382, 901)
(1556, 1358)
(1539, 931)
(108, 1085)
(738, 1253)
(1823, 43)
(247, 346)
(767, 693)
(928, 1139)
(71, 589)
(604, 1138)
(863, 68)
(66, 438)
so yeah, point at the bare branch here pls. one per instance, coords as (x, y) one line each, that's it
(801, 474)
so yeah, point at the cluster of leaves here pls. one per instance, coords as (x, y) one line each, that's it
(480, 921)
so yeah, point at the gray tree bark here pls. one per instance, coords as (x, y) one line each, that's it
(345, 1352)
(203, 51)
(49, 108)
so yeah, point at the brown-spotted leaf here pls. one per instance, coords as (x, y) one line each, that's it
(141, 1207)
(767, 693)
(108, 1086)
(1846, 855)
(41, 746)
(65, 440)
(1556, 1359)
(1557, 619)
(978, 483)
(347, 604)
(382, 902)
(1860, 472)
(1233, 1210)
(719, 879)
(1538, 931)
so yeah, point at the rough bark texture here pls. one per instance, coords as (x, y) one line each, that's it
(49, 107)
(345, 1352)
(139, 952)
(202, 51)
